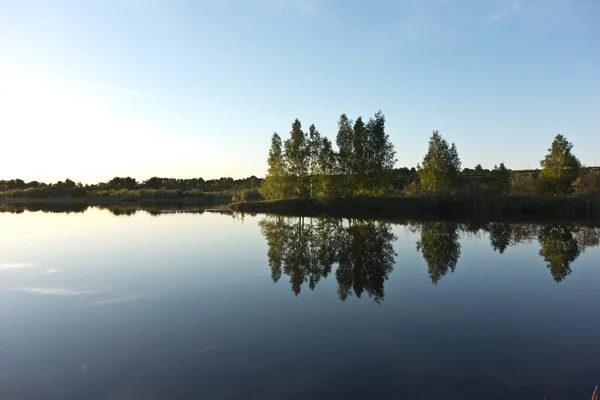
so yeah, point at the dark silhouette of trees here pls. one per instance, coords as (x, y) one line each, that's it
(560, 168)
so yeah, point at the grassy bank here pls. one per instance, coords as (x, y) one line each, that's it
(439, 207)
(123, 197)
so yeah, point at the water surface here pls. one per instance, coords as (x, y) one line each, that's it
(95, 305)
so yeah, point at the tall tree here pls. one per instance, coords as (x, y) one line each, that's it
(560, 168)
(344, 141)
(327, 167)
(359, 158)
(274, 185)
(314, 146)
(440, 166)
(296, 154)
(380, 156)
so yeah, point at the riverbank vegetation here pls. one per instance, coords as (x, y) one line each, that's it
(307, 174)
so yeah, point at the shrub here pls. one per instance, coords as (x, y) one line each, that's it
(522, 184)
(248, 195)
(588, 183)
(78, 192)
(413, 189)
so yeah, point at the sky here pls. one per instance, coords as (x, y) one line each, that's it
(94, 89)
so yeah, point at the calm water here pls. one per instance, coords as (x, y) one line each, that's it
(205, 306)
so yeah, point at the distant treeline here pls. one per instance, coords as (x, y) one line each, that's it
(128, 188)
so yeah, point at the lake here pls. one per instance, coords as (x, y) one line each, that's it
(206, 305)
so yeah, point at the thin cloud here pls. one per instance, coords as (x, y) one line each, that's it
(13, 266)
(500, 15)
(116, 89)
(112, 301)
(50, 271)
(56, 291)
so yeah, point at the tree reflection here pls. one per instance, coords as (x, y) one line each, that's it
(561, 243)
(305, 249)
(500, 236)
(440, 248)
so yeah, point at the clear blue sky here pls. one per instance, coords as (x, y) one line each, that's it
(93, 89)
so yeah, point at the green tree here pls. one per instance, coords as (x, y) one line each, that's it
(344, 141)
(274, 185)
(314, 148)
(560, 168)
(296, 154)
(441, 164)
(359, 157)
(327, 167)
(380, 157)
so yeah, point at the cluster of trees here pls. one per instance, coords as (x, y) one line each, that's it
(306, 249)
(306, 165)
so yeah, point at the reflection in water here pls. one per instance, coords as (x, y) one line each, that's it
(305, 249)
(440, 248)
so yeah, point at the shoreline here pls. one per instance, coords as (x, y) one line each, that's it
(511, 207)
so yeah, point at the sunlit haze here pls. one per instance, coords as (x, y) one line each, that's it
(95, 89)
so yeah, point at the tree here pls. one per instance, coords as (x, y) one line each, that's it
(314, 151)
(501, 179)
(359, 157)
(440, 165)
(560, 168)
(380, 156)
(296, 155)
(327, 167)
(478, 168)
(274, 185)
(344, 141)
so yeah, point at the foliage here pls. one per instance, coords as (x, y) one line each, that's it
(560, 168)
(588, 183)
(78, 192)
(296, 156)
(500, 179)
(440, 167)
(248, 195)
(275, 185)
(413, 189)
(522, 184)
